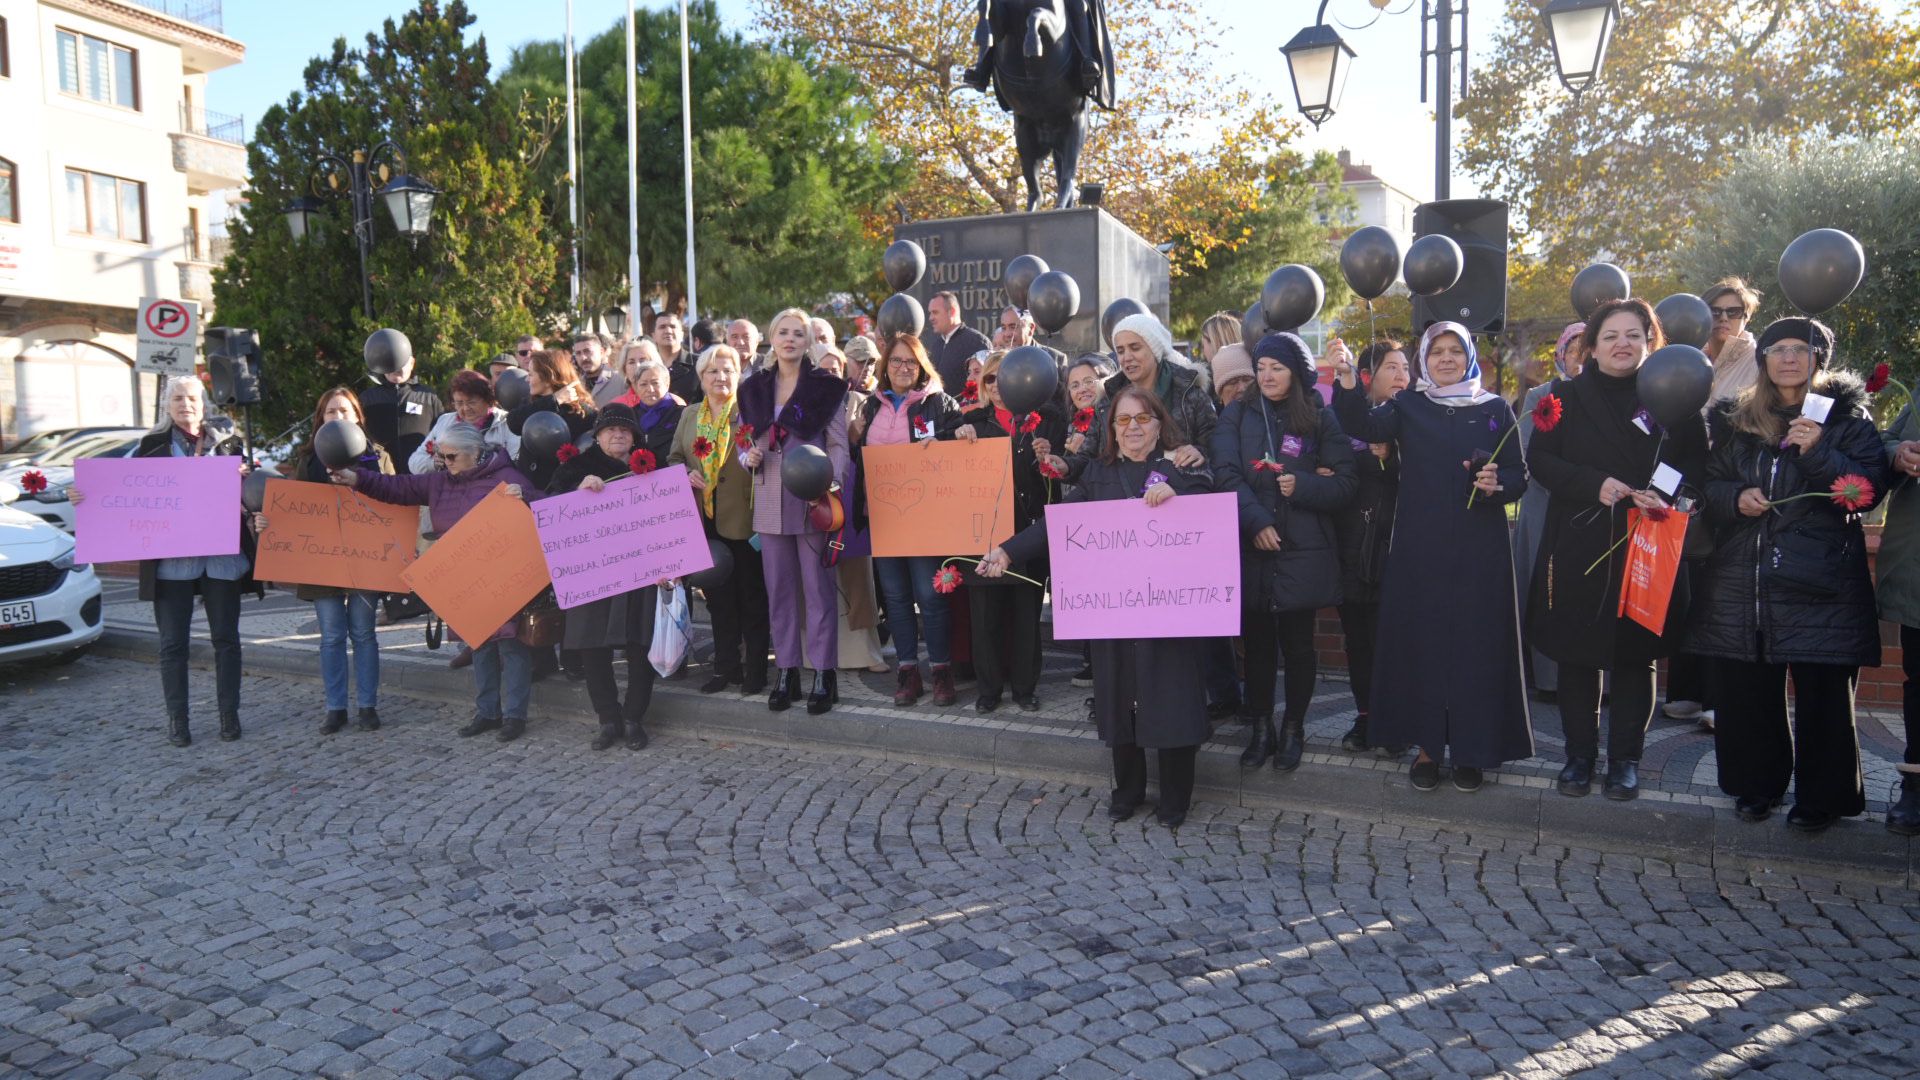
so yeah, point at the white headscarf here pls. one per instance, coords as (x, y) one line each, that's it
(1465, 392)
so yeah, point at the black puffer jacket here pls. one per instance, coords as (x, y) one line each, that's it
(1745, 609)
(1305, 571)
(1365, 525)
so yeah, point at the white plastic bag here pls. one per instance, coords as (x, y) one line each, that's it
(670, 623)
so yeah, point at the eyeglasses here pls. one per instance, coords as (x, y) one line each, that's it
(1139, 419)
(1795, 352)
(1731, 314)
(908, 364)
(523, 352)
(448, 459)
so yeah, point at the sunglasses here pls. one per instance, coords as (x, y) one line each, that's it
(989, 380)
(523, 352)
(1731, 314)
(448, 459)
(1139, 419)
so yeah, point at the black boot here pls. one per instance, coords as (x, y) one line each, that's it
(1576, 780)
(369, 719)
(479, 725)
(1903, 817)
(1623, 780)
(1355, 740)
(229, 728)
(1260, 747)
(636, 735)
(609, 734)
(177, 733)
(336, 719)
(511, 728)
(1293, 742)
(826, 691)
(786, 687)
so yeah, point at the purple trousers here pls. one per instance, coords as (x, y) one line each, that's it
(792, 563)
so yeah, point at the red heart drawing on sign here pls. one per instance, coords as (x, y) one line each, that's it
(902, 496)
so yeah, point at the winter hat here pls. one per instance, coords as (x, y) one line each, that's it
(1158, 338)
(1231, 362)
(616, 414)
(1289, 350)
(1812, 331)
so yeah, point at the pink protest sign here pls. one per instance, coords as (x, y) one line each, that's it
(1121, 570)
(637, 531)
(156, 508)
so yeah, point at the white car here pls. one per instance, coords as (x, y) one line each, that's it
(55, 469)
(49, 605)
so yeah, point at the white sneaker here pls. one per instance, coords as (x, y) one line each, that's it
(1681, 710)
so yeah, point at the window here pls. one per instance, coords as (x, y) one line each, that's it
(106, 206)
(9, 192)
(98, 70)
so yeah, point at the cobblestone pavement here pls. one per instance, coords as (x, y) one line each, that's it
(405, 903)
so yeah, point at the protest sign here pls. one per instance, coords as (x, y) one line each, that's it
(327, 534)
(481, 572)
(156, 508)
(940, 498)
(636, 531)
(1123, 570)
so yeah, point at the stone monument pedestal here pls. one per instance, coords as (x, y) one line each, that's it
(968, 257)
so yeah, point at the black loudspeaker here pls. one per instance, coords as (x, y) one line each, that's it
(1478, 300)
(233, 361)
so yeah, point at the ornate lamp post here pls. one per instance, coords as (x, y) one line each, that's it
(333, 176)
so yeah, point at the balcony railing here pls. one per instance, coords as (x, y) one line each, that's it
(200, 12)
(209, 246)
(205, 122)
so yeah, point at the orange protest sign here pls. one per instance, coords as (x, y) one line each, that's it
(325, 534)
(940, 498)
(481, 572)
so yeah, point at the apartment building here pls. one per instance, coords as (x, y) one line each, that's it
(115, 177)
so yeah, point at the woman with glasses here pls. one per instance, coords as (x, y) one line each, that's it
(1149, 692)
(473, 405)
(1731, 348)
(1787, 590)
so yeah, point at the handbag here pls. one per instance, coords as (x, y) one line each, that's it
(828, 514)
(540, 627)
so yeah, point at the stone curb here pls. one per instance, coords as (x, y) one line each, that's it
(1674, 832)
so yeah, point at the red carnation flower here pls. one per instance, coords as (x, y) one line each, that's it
(642, 462)
(746, 433)
(430, 445)
(970, 392)
(1083, 421)
(1030, 424)
(1882, 375)
(946, 580)
(1267, 465)
(1853, 491)
(567, 452)
(1049, 470)
(702, 446)
(34, 482)
(1547, 413)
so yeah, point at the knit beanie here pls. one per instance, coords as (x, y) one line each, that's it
(1158, 338)
(1812, 331)
(1231, 362)
(1291, 351)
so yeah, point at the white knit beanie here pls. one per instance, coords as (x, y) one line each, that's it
(1158, 338)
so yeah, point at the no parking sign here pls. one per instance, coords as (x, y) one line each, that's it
(169, 336)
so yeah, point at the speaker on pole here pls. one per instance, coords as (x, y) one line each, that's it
(233, 363)
(1478, 300)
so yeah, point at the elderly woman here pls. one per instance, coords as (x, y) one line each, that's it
(553, 387)
(473, 405)
(1596, 460)
(655, 410)
(171, 584)
(633, 355)
(624, 620)
(708, 442)
(469, 469)
(1569, 358)
(792, 403)
(1148, 691)
(1454, 684)
(1282, 453)
(911, 408)
(1787, 590)
(857, 624)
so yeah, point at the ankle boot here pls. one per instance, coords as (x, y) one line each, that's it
(1903, 817)
(177, 733)
(826, 691)
(336, 719)
(943, 691)
(636, 735)
(229, 728)
(786, 687)
(1293, 742)
(1355, 740)
(910, 689)
(510, 729)
(1260, 746)
(609, 734)
(369, 719)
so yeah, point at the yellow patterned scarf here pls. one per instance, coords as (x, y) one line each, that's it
(717, 436)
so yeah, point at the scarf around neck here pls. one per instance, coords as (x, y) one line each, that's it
(718, 432)
(1465, 392)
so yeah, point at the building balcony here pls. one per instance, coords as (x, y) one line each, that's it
(205, 13)
(221, 127)
(210, 148)
(207, 247)
(196, 283)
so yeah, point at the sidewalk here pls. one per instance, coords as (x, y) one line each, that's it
(1680, 814)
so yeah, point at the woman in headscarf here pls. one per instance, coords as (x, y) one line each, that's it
(1569, 357)
(1145, 350)
(1365, 528)
(1455, 685)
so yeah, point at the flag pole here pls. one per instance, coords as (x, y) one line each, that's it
(686, 143)
(633, 190)
(573, 183)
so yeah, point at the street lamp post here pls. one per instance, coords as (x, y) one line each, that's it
(409, 201)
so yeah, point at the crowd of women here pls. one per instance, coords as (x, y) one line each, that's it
(1467, 549)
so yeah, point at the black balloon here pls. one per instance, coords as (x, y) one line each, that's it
(1253, 326)
(1434, 264)
(253, 490)
(511, 389)
(901, 314)
(1292, 297)
(1596, 285)
(387, 351)
(720, 572)
(1685, 319)
(338, 443)
(1820, 269)
(1674, 383)
(1116, 311)
(1054, 299)
(543, 434)
(1370, 261)
(1028, 378)
(1019, 275)
(806, 472)
(903, 264)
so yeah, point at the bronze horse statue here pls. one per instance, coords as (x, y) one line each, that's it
(1044, 59)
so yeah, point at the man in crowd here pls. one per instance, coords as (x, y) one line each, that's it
(399, 414)
(950, 342)
(704, 334)
(501, 362)
(744, 337)
(820, 332)
(668, 337)
(1016, 330)
(590, 360)
(523, 351)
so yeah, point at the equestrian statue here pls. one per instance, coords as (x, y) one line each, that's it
(1043, 60)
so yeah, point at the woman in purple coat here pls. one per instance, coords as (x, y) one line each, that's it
(786, 404)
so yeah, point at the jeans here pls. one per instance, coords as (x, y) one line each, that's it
(173, 615)
(907, 580)
(503, 661)
(349, 615)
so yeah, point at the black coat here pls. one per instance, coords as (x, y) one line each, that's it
(1305, 573)
(226, 443)
(623, 620)
(1147, 691)
(660, 440)
(950, 356)
(1365, 525)
(399, 418)
(1574, 616)
(1449, 644)
(531, 465)
(1187, 402)
(1744, 612)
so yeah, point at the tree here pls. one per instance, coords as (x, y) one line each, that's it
(791, 189)
(1161, 178)
(1868, 187)
(1689, 89)
(482, 278)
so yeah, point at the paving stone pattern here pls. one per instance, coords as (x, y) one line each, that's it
(405, 903)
